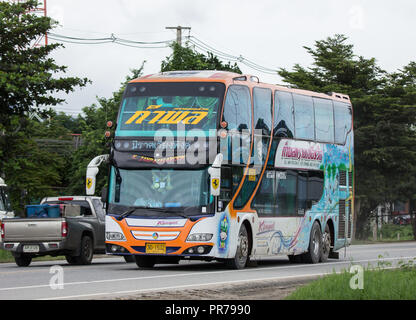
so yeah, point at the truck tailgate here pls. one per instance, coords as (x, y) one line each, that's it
(36, 229)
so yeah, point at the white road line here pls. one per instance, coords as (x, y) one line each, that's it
(209, 273)
(115, 294)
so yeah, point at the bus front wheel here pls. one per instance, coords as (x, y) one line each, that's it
(241, 257)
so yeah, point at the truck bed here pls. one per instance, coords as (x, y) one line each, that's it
(33, 229)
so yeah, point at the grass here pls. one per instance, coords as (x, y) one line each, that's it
(378, 284)
(6, 256)
(388, 233)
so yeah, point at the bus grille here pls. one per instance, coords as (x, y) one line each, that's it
(342, 178)
(341, 220)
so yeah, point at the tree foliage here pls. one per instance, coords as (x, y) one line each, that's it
(185, 58)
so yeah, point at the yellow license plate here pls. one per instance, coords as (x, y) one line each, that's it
(156, 248)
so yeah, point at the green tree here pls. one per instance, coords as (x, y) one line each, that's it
(27, 72)
(184, 58)
(384, 114)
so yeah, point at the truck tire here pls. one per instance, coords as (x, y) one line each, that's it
(71, 259)
(23, 260)
(86, 251)
(242, 255)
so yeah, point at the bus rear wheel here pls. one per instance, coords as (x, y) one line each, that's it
(241, 257)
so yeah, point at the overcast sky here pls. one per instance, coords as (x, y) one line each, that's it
(271, 33)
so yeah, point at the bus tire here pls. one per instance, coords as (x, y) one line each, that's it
(315, 245)
(23, 260)
(241, 257)
(145, 261)
(129, 259)
(326, 244)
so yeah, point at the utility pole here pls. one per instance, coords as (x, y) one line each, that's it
(179, 33)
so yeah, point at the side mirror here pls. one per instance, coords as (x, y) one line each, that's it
(92, 171)
(104, 195)
(215, 175)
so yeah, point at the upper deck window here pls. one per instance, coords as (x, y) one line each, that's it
(343, 121)
(237, 108)
(176, 106)
(284, 124)
(304, 117)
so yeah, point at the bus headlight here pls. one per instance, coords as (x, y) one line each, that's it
(114, 236)
(200, 237)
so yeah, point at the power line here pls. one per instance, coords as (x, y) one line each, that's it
(197, 43)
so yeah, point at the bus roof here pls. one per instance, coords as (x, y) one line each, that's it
(229, 78)
(2, 183)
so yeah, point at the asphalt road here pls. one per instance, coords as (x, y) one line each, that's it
(111, 277)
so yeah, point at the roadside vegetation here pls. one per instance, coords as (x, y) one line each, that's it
(378, 284)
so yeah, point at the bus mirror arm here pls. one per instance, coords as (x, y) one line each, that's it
(92, 171)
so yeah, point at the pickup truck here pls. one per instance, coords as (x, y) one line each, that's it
(78, 233)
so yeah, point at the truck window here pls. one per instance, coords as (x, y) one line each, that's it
(85, 206)
(98, 206)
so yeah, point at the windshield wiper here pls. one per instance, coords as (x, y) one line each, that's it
(161, 210)
(167, 210)
(126, 213)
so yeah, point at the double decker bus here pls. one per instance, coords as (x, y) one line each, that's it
(213, 165)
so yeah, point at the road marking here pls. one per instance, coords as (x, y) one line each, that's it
(202, 273)
(114, 294)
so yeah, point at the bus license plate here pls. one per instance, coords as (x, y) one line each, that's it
(30, 248)
(156, 248)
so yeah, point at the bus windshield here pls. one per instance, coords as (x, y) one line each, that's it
(176, 106)
(4, 200)
(154, 188)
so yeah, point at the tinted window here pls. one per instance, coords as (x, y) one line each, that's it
(265, 199)
(237, 108)
(302, 193)
(250, 182)
(85, 206)
(284, 125)
(304, 117)
(286, 193)
(324, 120)
(262, 99)
(315, 186)
(343, 121)
(98, 206)
(148, 107)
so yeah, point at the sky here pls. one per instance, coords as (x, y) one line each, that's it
(270, 33)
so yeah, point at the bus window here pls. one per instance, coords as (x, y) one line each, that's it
(262, 99)
(237, 108)
(302, 200)
(265, 200)
(324, 120)
(286, 193)
(315, 186)
(304, 117)
(284, 125)
(343, 121)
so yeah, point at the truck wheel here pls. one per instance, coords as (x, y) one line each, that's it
(241, 256)
(71, 259)
(23, 260)
(86, 251)
(315, 245)
(145, 262)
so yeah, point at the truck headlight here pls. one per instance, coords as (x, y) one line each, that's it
(114, 236)
(200, 237)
